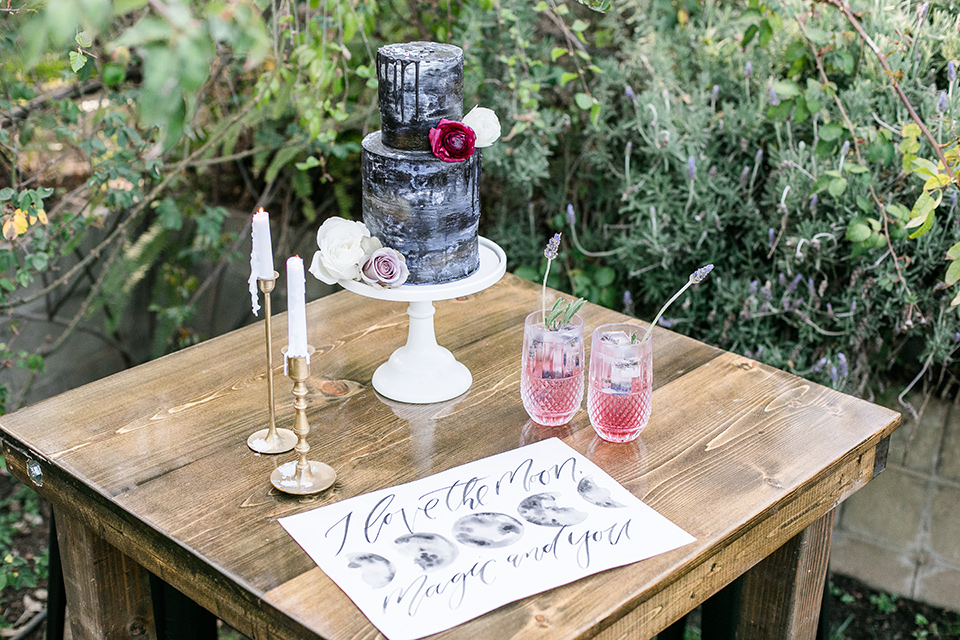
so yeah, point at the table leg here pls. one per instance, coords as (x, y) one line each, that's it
(108, 593)
(780, 597)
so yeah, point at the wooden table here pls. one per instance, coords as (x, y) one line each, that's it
(149, 469)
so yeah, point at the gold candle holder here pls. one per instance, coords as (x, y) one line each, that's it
(271, 439)
(301, 476)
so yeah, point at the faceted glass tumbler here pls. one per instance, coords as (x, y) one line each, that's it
(620, 390)
(551, 370)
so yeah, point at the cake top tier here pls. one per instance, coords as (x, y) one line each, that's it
(418, 84)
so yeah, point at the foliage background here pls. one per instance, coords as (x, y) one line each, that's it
(137, 136)
(761, 137)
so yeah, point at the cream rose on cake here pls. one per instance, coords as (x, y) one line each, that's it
(485, 125)
(343, 246)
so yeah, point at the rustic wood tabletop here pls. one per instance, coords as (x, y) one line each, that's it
(149, 468)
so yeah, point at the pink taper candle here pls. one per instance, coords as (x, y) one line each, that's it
(296, 309)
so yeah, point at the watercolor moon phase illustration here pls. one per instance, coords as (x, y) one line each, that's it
(595, 494)
(487, 530)
(429, 551)
(375, 570)
(542, 509)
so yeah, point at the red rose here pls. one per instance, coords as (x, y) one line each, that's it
(452, 141)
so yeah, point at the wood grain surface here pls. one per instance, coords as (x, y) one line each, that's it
(154, 461)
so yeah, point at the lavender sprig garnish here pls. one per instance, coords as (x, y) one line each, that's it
(553, 246)
(563, 311)
(695, 278)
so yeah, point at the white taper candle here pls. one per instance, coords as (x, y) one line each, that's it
(262, 245)
(296, 309)
(261, 256)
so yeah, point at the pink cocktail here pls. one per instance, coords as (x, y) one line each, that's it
(621, 381)
(551, 370)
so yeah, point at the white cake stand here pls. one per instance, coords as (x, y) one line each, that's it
(423, 372)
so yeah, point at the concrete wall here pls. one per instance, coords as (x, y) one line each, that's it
(901, 533)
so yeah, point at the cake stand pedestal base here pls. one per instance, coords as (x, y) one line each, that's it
(421, 372)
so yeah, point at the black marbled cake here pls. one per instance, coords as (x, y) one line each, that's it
(425, 208)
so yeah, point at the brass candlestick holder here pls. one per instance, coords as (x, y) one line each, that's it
(301, 476)
(271, 439)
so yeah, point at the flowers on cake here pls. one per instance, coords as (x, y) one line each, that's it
(454, 141)
(385, 267)
(485, 124)
(348, 252)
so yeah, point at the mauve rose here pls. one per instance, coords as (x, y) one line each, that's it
(452, 141)
(385, 267)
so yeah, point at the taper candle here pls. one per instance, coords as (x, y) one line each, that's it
(261, 255)
(262, 245)
(296, 309)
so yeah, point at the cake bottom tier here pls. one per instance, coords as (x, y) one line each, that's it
(426, 209)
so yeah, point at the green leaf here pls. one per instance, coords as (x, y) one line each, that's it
(954, 252)
(912, 130)
(786, 89)
(864, 203)
(924, 166)
(6, 194)
(766, 32)
(309, 163)
(908, 145)
(749, 35)
(831, 131)
(898, 211)
(83, 39)
(926, 226)
(595, 114)
(583, 101)
(35, 362)
(39, 261)
(558, 52)
(837, 187)
(936, 182)
(7, 285)
(579, 25)
(77, 60)
(858, 232)
(927, 202)
(572, 309)
(953, 273)
(567, 77)
(853, 167)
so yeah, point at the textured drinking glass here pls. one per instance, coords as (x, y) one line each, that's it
(621, 382)
(551, 370)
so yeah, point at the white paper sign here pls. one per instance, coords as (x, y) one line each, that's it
(426, 556)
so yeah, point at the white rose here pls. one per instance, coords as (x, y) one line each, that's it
(343, 245)
(485, 124)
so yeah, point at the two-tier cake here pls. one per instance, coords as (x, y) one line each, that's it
(426, 208)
